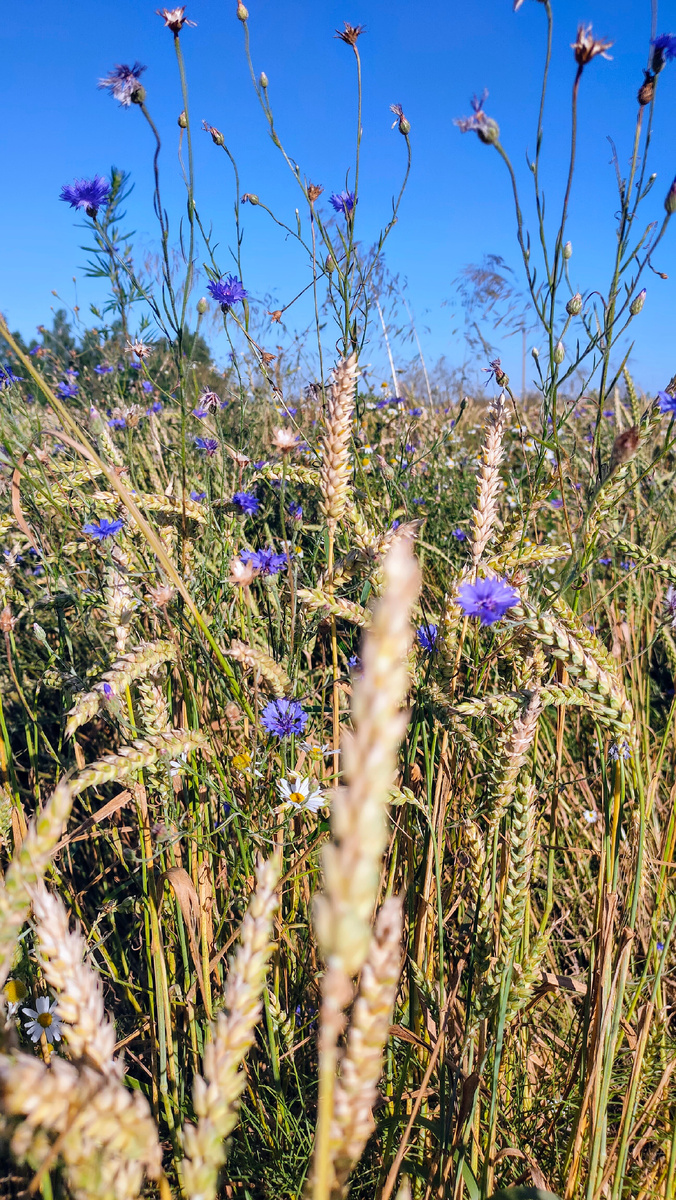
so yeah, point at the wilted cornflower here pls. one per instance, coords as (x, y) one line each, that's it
(284, 718)
(619, 750)
(227, 291)
(208, 445)
(488, 599)
(246, 502)
(296, 512)
(587, 47)
(342, 202)
(90, 194)
(67, 390)
(401, 121)
(124, 83)
(666, 402)
(427, 637)
(670, 604)
(242, 574)
(494, 371)
(285, 439)
(139, 348)
(487, 130)
(103, 529)
(174, 18)
(208, 400)
(350, 33)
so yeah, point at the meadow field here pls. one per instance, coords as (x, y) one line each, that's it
(337, 756)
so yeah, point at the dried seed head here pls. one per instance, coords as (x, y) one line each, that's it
(174, 18)
(587, 47)
(162, 595)
(646, 92)
(350, 33)
(624, 447)
(241, 574)
(285, 440)
(314, 191)
(7, 621)
(139, 349)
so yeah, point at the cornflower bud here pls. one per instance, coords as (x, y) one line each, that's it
(670, 201)
(202, 306)
(559, 353)
(574, 305)
(646, 90)
(242, 12)
(535, 352)
(567, 250)
(250, 198)
(182, 120)
(637, 304)
(263, 80)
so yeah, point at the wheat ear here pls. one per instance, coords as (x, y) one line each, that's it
(262, 664)
(139, 662)
(512, 759)
(62, 953)
(216, 1095)
(335, 469)
(488, 481)
(361, 1065)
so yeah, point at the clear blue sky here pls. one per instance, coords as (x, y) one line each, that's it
(430, 57)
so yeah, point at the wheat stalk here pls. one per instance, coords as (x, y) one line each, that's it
(216, 1095)
(335, 468)
(488, 481)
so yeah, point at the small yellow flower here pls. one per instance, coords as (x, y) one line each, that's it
(242, 761)
(14, 991)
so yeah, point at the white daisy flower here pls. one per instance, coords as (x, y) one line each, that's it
(300, 793)
(591, 816)
(315, 752)
(45, 1020)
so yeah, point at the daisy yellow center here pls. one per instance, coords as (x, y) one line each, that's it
(297, 798)
(241, 761)
(15, 991)
(45, 1019)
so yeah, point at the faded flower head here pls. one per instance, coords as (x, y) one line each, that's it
(620, 750)
(342, 202)
(350, 33)
(174, 18)
(7, 621)
(587, 47)
(227, 290)
(216, 134)
(162, 595)
(90, 194)
(103, 529)
(124, 83)
(314, 191)
(139, 348)
(208, 401)
(300, 793)
(43, 1019)
(285, 440)
(487, 130)
(401, 120)
(242, 574)
(284, 718)
(487, 599)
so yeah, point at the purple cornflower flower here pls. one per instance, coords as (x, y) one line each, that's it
(486, 128)
(416, 412)
(284, 718)
(666, 402)
(459, 535)
(90, 194)
(146, 385)
(227, 290)
(382, 404)
(296, 512)
(395, 524)
(8, 377)
(198, 496)
(266, 562)
(487, 599)
(427, 637)
(246, 502)
(660, 947)
(156, 407)
(208, 445)
(419, 500)
(605, 561)
(200, 413)
(556, 503)
(664, 49)
(125, 83)
(67, 390)
(103, 370)
(107, 689)
(103, 529)
(620, 750)
(117, 423)
(342, 202)
(354, 662)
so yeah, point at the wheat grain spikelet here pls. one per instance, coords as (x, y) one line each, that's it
(335, 469)
(133, 665)
(352, 862)
(361, 1065)
(488, 481)
(318, 601)
(216, 1095)
(262, 664)
(512, 759)
(62, 954)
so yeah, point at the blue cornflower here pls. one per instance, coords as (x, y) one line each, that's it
(382, 404)
(208, 445)
(117, 423)
(246, 502)
(258, 466)
(198, 496)
(227, 291)
(103, 370)
(8, 377)
(103, 529)
(664, 49)
(72, 372)
(284, 717)
(296, 512)
(666, 402)
(342, 202)
(264, 561)
(200, 412)
(107, 690)
(147, 385)
(156, 407)
(487, 599)
(605, 561)
(659, 947)
(459, 535)
(395, 524)
(125, 83)
(90, 194)
(416, 412)
(620, 750)
(557, 503)
(427, 637)
(67, 390)
(418, 500)
(354, 663)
